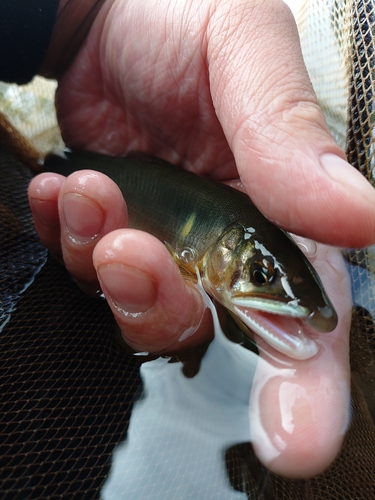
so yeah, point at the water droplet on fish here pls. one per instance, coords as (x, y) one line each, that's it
(308, 247)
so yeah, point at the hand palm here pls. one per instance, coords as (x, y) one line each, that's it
(153, 96)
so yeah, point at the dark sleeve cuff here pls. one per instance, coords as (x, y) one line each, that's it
(25, 33)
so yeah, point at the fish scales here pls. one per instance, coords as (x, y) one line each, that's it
(164, 200)
(246, 263)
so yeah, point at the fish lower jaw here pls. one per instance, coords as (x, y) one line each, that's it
(285, 334)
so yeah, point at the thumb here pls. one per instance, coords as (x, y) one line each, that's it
(287, 159)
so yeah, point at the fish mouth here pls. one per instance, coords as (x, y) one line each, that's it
(263, 303)
(290, 335)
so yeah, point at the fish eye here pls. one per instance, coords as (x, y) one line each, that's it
(262, 271)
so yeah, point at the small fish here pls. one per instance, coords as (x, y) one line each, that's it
(250, 266)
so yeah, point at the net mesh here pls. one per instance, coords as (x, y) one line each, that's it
(337, 39)
(67, 391)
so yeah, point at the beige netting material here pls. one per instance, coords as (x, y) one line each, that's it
(337, 38)
(30, 108)
(324, 30)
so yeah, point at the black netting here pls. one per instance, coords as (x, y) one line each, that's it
(66, 390)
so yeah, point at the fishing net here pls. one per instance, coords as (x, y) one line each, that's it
(31, 110)
(67, 390)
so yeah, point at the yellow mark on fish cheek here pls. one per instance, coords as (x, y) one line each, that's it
(187, 227)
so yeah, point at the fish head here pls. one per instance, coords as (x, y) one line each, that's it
(265, 275)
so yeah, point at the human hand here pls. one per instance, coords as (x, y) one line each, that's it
(299, 410)
(221, 90)
(200, 85)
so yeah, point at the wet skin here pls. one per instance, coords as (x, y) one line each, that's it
(156, 292)
(245, 262)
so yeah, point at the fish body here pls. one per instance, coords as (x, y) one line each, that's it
(245, 262)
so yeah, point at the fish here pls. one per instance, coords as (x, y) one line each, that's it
(244, 262)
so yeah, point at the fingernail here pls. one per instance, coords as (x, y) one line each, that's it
(346, 174)
(131, 291)
(83, 217)
(46, 211)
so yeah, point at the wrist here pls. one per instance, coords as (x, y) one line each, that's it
(73, 22)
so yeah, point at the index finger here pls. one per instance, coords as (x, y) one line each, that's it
(299, 410)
